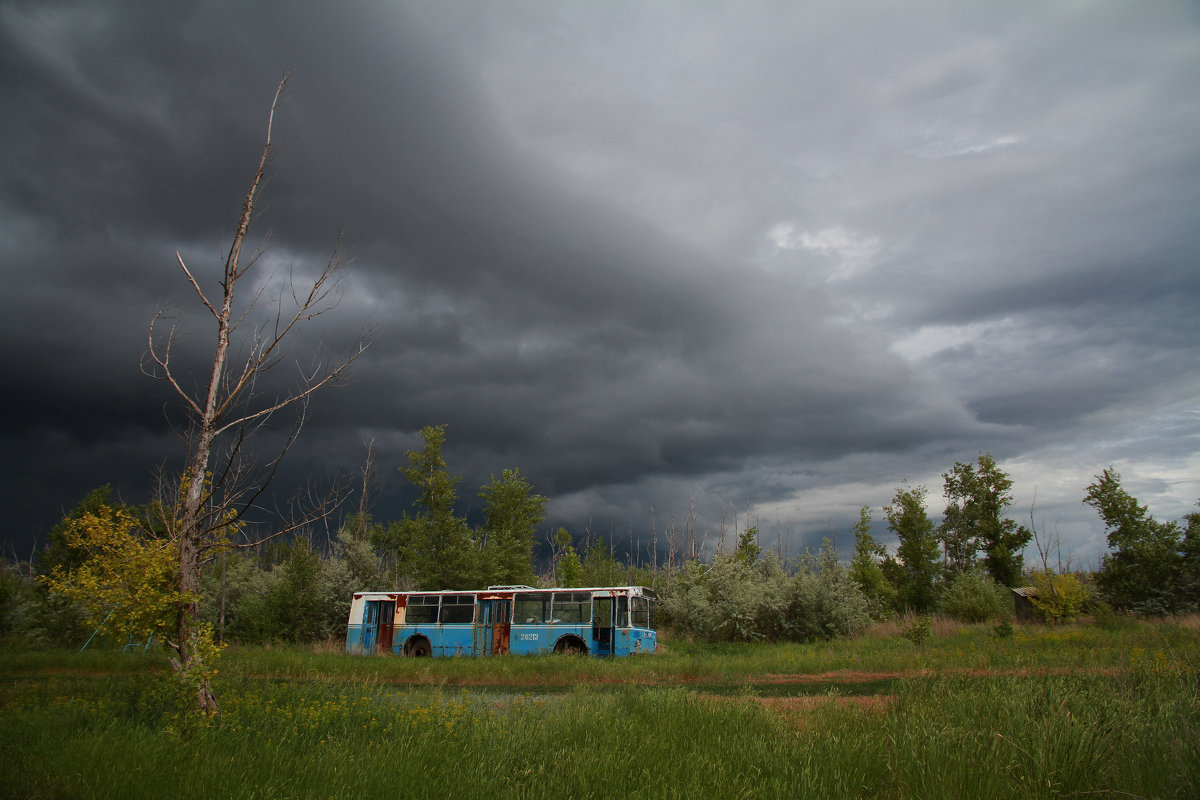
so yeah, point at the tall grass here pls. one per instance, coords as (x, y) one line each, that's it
(953, 646)
(309, 725)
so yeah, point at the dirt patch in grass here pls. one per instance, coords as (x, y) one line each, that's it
(839, 676)
(852, 676)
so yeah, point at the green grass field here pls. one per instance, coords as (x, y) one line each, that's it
(1072, 711)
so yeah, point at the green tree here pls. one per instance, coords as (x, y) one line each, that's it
(436, 545)
(296, 603)
(248, 586)
(13, 590)
(1149, 565)
(917, 555)
(748, 549)
(123, 577)
(960, 543)
(355, 545)
(511, 513)
(58, 552)
(48, 616)
(1190, 553)
(599, 566)
(979, 495)
(568, 569)
(865, 567)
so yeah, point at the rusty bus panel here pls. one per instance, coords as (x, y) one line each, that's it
(387, 614)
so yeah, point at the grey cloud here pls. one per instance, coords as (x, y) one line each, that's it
(565, 227)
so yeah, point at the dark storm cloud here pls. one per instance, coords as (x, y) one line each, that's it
(773, 257)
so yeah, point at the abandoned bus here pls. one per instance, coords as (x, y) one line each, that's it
(604, 621)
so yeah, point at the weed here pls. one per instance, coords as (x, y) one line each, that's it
(918, 632)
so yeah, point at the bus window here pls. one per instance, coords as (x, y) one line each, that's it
(622, 611)
(572, 607)
(421, 609)
(641, 612)
(531, 608)
(458, 608)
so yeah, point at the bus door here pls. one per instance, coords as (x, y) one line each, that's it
(370, 627)
(602, 623)
(387, 613)
(492, 624)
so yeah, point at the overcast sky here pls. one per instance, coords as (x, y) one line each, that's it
(774, 257)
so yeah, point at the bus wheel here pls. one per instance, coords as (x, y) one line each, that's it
(570, 645)
(418, 648)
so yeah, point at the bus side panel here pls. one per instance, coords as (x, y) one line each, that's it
(527, 639)
(580, 630)
(455, 639)
(404, 633)
(444, 640)
(635, 640)
(354, 626)
(354, 639)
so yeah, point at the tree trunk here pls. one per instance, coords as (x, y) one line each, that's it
(201, 522)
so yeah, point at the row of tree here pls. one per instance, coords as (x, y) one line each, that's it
(1152, 567)
(975, 534)
(106, 560)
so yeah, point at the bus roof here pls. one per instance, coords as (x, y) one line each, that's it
(632, 590)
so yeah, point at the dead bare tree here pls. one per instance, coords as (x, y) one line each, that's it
(721, 541)
(653, 544)
(364, 503)
(220, 481)
(1044, 550)
(692, 525)
(672, 546)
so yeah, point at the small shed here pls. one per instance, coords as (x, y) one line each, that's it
(1023, 604)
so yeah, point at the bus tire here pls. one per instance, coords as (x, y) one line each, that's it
(570, 645)
(418, 648)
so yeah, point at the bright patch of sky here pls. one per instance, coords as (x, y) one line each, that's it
(847, 252)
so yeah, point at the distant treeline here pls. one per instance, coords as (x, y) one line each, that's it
(300, 590)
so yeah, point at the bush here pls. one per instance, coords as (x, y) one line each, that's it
(739, 599)
(918, 631)
(974, 597)
(10, 594)
(729, 600)
(1059, 597)
(825, 601)
(33, 616)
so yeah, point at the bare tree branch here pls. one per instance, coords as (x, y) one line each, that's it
(205, 508)
(196, 286)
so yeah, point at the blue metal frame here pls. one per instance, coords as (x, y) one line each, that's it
(613, 627)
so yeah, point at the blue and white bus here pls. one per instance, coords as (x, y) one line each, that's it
(599, 621)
